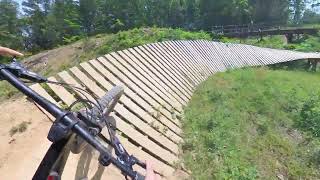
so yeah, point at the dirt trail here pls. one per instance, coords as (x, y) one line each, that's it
(21, 153)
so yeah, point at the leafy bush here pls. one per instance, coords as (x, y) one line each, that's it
(310, 116)
(141, 36)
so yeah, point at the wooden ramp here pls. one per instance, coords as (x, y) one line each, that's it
(159, 80)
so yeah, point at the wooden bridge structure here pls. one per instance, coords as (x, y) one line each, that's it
(244, 31)
(159, 80)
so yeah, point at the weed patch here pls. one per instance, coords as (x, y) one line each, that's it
(241, 125)
(20, 128)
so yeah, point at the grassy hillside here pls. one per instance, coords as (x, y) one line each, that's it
(51, 62)
(254, 124)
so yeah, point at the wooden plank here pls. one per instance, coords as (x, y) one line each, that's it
(137, 89)
(123, 126)
(236, 50)
(185, 61)
(217, 63)
(200, 49)
(162, 61)
(234, 58)
(134, 56)
(38, 89)
(130, 59)
(145, 115)
(224, 58)
(135, 108)
(109, 59)
(208, 60)
(166, 63)
(87, 82)
(203, 62)
(260, 60)
(153, 64)
(65, 76)
(192, 63)
(159, 166)
(172, 103)
(172, 60)
(143, 141)
(65, 96)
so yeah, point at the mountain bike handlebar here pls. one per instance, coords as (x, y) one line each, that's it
(65, 122)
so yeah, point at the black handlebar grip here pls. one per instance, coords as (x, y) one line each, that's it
(139, 177)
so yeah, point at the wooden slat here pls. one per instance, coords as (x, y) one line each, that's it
(162, 105)
(128, 115)
(166, 62)
(38, 89)
(171, 102)
(217, 63)
(151, 63)
(204, 57)
(192, 64)
(155, 76)
(65, 76)
(42, 92)
(205, 61)
(124, 127)
(174, 65)
(164, 90)
(145, 116)
(65, 96)
(183, 61)
(214, 60)
(162, 61)
(159, 166)
(138, 90)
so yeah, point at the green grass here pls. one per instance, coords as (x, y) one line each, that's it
(244, 124)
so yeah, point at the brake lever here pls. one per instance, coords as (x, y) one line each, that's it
(124, 157)
(20, 71)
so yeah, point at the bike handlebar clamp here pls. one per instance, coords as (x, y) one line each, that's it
(105, 159)
(60, 129)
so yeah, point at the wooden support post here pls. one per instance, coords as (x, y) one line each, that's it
(313, 64)
(289, 37)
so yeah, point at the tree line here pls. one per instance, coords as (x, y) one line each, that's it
(44, 24)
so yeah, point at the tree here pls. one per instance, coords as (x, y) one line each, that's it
(297, 7)
(176, 13)
(10, 31)
(271, 11)
(39, 33)
(310, 17)
(192, 15)
(88, 15)
(65, 20)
